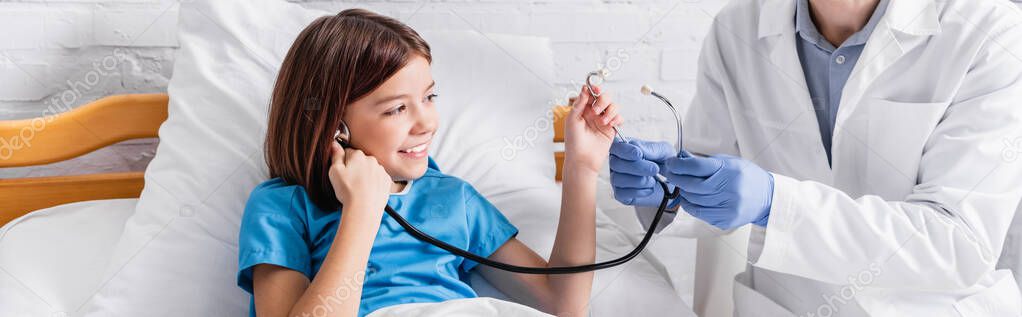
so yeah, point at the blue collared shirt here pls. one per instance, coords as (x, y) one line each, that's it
(827, 67)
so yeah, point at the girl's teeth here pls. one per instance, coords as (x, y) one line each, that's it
(416, 149)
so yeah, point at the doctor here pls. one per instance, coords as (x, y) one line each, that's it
(868, 142)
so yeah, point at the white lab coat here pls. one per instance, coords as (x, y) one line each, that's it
(910, 218)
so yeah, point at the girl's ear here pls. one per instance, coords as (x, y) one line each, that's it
(343, 136)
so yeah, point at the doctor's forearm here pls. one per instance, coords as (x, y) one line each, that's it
(575, 242)
(820, 232)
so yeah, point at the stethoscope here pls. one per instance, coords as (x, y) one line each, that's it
(343, 137)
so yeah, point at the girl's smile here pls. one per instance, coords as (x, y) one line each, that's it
(417, 152)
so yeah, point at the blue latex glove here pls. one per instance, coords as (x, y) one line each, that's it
(723, 190)
(632, 167)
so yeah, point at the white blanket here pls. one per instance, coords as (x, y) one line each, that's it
(467, 307)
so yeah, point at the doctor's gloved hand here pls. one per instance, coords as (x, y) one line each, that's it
(633, 164)
(722, 190)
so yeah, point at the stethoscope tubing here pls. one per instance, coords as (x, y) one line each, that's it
(415, 232)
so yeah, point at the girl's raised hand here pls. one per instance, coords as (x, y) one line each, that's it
(589, 129)
(359, 180)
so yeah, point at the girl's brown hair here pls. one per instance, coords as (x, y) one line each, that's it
(335, 61)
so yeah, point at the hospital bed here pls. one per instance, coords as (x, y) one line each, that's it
(58, 231)
(71, 246)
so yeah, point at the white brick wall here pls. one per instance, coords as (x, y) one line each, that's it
(62, 54)
(45, 45)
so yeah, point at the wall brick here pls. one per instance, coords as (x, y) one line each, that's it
(679, 64)
(67, 27)
(22, 28)
(18, 82)
(136, 27)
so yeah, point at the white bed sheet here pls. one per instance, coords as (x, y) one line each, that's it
(672, 256)
(52, 260)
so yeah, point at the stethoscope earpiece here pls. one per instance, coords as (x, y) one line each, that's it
(343, 136)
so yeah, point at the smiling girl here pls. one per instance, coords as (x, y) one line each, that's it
(314, 239)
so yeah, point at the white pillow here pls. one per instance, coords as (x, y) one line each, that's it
(178, 253)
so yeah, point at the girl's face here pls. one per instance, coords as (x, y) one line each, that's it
(395, 123)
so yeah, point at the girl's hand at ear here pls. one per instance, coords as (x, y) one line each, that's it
(363, 186)
(589, 130)
(359, 180)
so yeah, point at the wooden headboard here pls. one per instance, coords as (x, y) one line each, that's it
(88, 128)
(560, 112)
(68, 135)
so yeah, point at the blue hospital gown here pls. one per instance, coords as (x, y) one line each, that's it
(281, 226)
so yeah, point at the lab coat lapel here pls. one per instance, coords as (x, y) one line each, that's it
(906, 25)
(777, 31)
